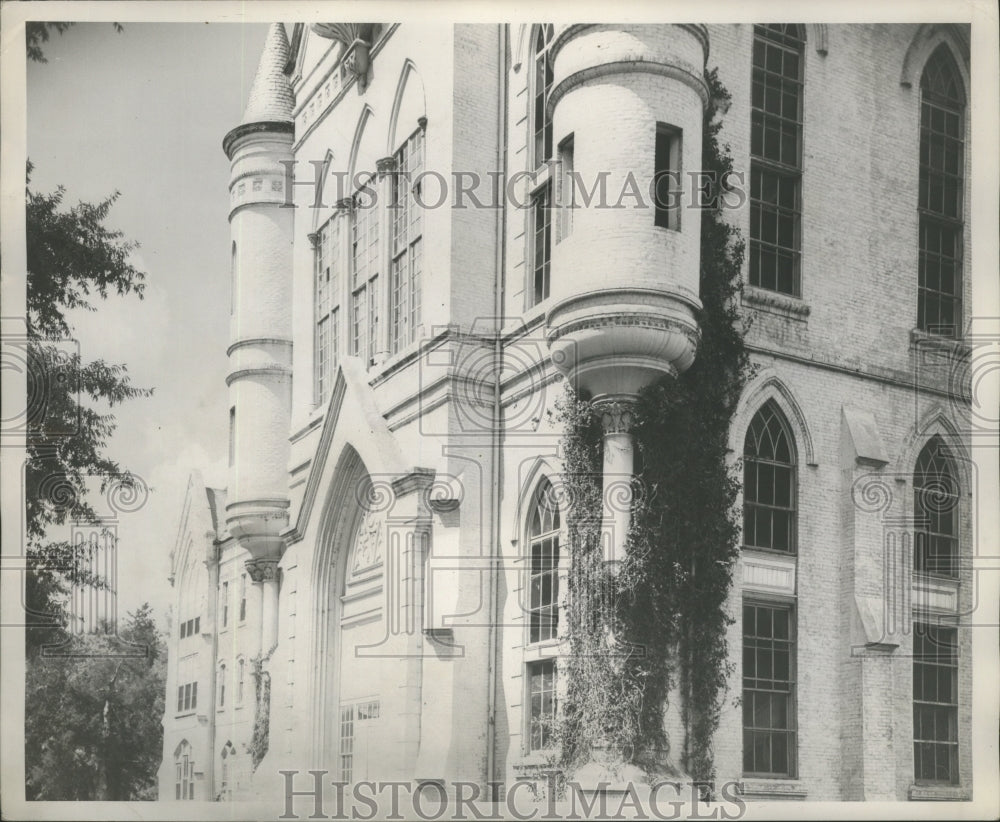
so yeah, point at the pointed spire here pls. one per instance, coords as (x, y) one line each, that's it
(271, 97)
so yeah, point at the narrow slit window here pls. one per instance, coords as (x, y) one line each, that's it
(667, 177)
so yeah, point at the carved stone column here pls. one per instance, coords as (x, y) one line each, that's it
(265, 573)
(617, 412)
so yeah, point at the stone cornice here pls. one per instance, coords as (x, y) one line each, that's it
(251, 341)
(270, 126)
(565, 33)
(269, 369)
(624, 319)
(681, 73)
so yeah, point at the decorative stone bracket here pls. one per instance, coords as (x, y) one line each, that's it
(356, 39)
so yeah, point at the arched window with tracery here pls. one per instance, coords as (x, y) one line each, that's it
(184, 769)
(942, 154)
(227, 771)
(936, 495)
(543, 616)
(769, 483)
(543, 582)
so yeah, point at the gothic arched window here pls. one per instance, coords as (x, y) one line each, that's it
(184, 767)
(769, 483)
(935, 504)
(227, 771)
(776, 158)
(543, 616)
(942, 151)
(543, 583)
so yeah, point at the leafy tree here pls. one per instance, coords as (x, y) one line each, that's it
(91, 720)
(94, 719)
(36, 33)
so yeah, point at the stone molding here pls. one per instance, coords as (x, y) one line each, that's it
(671, 71)
(262, 570)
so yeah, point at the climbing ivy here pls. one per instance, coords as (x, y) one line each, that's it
(262, 710)
(658, 627)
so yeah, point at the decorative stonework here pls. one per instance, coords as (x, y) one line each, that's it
(617, 413)
(262, 570)
(356, 40)
(769, 574)
(783, 304)
(368, 542)
(385, 165)
(623, 320)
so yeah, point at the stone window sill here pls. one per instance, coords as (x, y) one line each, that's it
(783, 305)
(536, 764)
(924, 340)
(768, 789)
(940, 793)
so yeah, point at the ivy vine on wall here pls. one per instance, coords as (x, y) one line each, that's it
(658, 627)
(262, 709)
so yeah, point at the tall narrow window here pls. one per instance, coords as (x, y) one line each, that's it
(406, 243)
(776, 158)
(935, 503)
(241, 666)
(184, 765)
(769, 483)
(567, 189)
(769, 723)
(541, 218)
(225, 604)
(935, 704)
(543, 583)
(232, 280)
(541, 197)
(667, 176)
(365, 272)
(347, 743)
(228, 772)
(355, 722)
(222, 685)
(232, 436)
(243, 597)
(541, 122)
(327, 241)
(542, 704)
(942, 151)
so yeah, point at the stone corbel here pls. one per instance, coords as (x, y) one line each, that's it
(262, 570)
(356, 39)
(384, 166)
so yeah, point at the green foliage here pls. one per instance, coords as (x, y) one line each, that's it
(92, 720)
(36, 33)
(260, 740)
(660, 625)
(72, 255)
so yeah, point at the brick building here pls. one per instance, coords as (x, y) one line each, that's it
(380, 581)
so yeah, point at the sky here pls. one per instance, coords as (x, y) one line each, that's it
(143, 112)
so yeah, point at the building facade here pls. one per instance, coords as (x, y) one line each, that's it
(377, 591)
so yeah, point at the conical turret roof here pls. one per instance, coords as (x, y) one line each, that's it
(271, 97)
